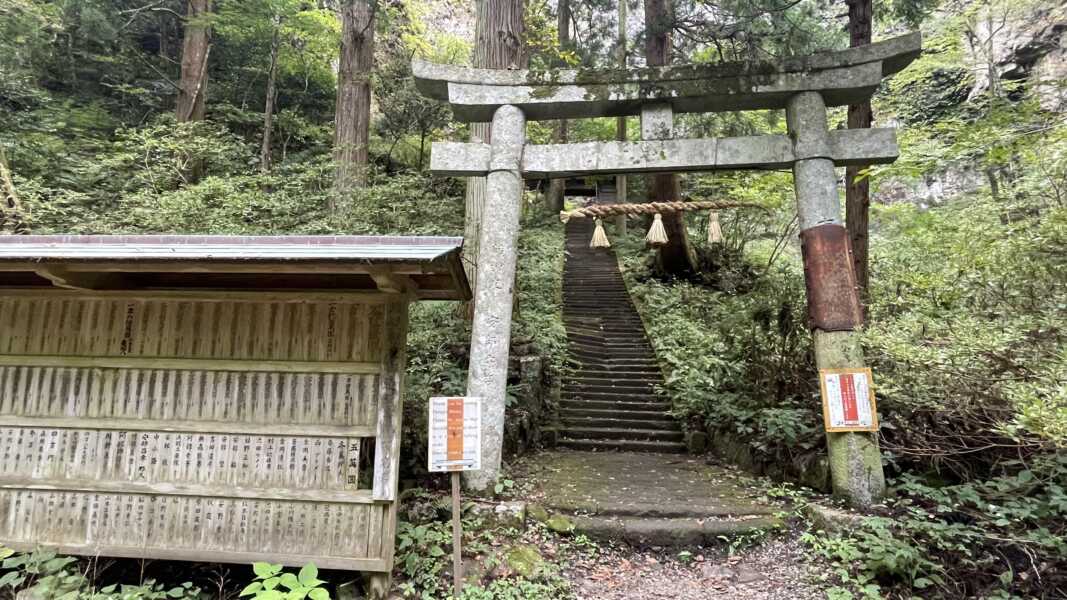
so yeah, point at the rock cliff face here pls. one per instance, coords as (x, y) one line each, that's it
(1022, 40)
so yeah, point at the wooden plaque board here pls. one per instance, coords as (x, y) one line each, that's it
(848, 400)
(232, 428)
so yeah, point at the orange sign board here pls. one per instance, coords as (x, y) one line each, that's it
(848, 400)
(455, 434)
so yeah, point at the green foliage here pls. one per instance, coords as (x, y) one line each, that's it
(421, 556)
(740, 363)
(48, 576)
(424, 544)
(996, 538)
(540, 289)
(273, 583)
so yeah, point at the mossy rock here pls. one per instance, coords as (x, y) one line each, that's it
(560, 524)
(537, 513)
(525, 560)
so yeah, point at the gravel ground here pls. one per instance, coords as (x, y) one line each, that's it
(776, 569)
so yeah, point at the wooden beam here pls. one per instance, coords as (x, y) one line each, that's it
(204, 555)
(390, 401)
(189, 364)
(848, 147)
(177, 426)
(78, 280)
(186, 489)
(393, 283)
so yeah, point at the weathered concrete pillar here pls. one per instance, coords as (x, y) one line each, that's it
(497, 253)
(833, 300)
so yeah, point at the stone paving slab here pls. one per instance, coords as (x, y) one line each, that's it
(637, 484)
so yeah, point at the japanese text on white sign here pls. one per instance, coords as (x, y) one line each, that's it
(455, 434)
(848, 400)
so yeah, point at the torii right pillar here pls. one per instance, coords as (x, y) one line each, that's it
(833, 298)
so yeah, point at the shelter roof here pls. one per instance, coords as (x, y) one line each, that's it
(427, 267)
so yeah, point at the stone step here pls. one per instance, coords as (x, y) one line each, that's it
(581, 378)
(622, 433)
(649, 417)
(587, 391)
(624, 373)
(619, 405)
(656, 446)
(641, 380)
(598, 351)
(590, 396)
(573, 423)
(673, 532)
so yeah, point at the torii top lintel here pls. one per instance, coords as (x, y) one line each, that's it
(841, 77)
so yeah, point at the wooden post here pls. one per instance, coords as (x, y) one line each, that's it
(855, 461)
(457, 537)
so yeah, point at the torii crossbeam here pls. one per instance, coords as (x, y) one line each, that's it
(803, 86)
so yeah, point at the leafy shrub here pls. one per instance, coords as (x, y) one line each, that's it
(273, 583)
(48, 576)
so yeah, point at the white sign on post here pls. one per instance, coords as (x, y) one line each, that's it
(455, 434)
(848, 400)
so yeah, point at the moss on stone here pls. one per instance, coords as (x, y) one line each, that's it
(537, 513)
(525, 560)
(560, 524)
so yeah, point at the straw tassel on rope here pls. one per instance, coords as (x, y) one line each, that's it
(714, 229)
(600, 239)
(657, 235)
(648, 208)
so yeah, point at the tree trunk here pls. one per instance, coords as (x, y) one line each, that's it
(620, 123)
(858, 193)
(352, 120)
(676, 257)
(272, 93)
(195, 50)
(499, 44)
(12, 219)
(557, 187)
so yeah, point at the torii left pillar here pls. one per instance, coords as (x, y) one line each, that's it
(498, 243)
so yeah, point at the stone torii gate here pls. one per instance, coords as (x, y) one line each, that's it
(803, 86)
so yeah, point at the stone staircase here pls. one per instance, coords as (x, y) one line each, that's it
(609, 400)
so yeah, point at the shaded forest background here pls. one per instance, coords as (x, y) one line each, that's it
(248, 117)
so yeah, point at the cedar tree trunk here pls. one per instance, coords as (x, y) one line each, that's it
(558, 187)
(195, 50)
(858, 193)
(352, 120)
(499, 43)
(675, 258)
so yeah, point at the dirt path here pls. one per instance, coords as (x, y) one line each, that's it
(777, 569)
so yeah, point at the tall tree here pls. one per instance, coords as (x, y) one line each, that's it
(195, 49)
(676, 257)
(858, 188)
(557, 187)
(352, 120)
(620, 122)
(265, 161)
(499, 43)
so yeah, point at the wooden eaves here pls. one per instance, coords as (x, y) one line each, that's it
(424, 267)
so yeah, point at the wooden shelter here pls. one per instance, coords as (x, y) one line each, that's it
(209, 398)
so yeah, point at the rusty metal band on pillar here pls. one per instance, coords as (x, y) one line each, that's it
(833, 298)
